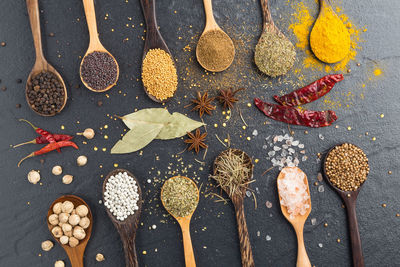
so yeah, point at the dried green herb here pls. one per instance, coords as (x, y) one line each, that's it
(179, 196)
(274, 54)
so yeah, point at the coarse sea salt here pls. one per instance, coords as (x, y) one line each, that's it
(293, 191)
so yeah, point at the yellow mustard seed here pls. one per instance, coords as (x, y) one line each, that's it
(115, 165)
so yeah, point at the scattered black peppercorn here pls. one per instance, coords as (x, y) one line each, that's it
(99, 103)
(19, 81)
(18, 105)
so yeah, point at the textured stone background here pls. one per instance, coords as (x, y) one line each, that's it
(213, 228)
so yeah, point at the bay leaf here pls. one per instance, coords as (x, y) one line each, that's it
(177, 126)
(146, 116)
(137, 138)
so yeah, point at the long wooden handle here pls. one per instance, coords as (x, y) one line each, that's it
(33, 12)
(245, 246)
(266, 14)
(149, 13)
(130, 251)
(302, 257)
(358, 259)
(75, 255)
(210, 21)
(187, 245)
(90, 14)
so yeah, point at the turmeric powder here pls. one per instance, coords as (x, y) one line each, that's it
(329, 39)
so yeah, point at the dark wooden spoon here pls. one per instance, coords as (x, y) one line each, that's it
(237, 200)
(127, 228)
(153, 38)
(75, 254)
(349, 198)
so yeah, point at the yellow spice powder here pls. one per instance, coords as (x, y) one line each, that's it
(159, 74)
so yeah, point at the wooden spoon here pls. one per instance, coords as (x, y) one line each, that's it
(237, 200)
(153, 38)
(269, 27)
(127, 228)
(184, 222)
(211, 25)
(298, 223)
(41, 63)
(75, 254)
(94, 43)
(349, 198)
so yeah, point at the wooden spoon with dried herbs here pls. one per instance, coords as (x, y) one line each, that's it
(274, 54)
(180, 197)
(233, 171)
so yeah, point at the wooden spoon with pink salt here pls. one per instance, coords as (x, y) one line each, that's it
(295, 201)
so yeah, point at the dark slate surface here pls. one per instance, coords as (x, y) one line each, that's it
(213, 228)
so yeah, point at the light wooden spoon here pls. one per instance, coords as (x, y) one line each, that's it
(211, 25)
(184, 222)
(94, 43)
(298, 224)
(41, 63)
(75, 254)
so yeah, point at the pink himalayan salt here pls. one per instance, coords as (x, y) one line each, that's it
(293, 191)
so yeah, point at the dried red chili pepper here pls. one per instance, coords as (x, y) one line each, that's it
(311, 92)
(46, 134)
(48, 148)
(43, 140)
(293, 115)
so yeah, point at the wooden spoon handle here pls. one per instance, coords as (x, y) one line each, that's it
(302, 257)
(130, 251)
(358, 259)
(149, 13)
(187, 244)
(33, 12)
(245, 246)
(266, 14)
(75, 256)
(210, 21)
(90, 14)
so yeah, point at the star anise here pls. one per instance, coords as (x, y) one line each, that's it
(227, 97)
(203, 104)
(196, 141)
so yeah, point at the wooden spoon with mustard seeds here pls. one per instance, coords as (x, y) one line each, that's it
(95, 45)
(274, 54)
(298, 223)
(75, 254)
(41, 63)
(329, 38)
(127, 228)
(184, 223)
(153, 40)
(229, 176)
(215, 50)
(349, 198)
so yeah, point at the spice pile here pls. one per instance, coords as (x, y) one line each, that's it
(180, 196)
(46, 93)
(347, 167)
(121, 195)
(69, 222)
(159, 74)
(99, 70)
(293, 191)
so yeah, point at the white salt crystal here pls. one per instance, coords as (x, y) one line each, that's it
(320, 245)
(295, 143)
(271, 153)
(248, 193)
(319, 177)
(280, 138)
(313, 221)
(268, 204)
(277, 148)
(268, 238)
(321, 137)
(255, 132)
(301, 146)
(265, 146)
(321, 188)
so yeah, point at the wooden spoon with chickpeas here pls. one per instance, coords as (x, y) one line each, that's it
(69, 220)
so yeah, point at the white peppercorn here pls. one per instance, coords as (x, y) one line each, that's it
(57, 208)
(82, 210)
(79, 233)
(73, 242)
(59, 264)
(57, 232)
(63, 217)
(57, 170)
(88, 133)
(64, 239)
(100, 257)
(84, 222)
(74, 219)
(47, 245)
(81, 160)
(53, 219)
(66, 227)
(33, 177)
(67, 206)
(67, 179)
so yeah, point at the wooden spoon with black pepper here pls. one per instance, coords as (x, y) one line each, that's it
(75, 254)
(153, 39)
(237, 197)
(127, 228)
(349, 198)
(41, 63)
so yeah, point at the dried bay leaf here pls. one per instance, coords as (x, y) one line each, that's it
(137, 138)
(146, 116)
(177, 126)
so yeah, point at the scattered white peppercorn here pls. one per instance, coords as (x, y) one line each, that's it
(57, 232)
(79, 233)
(33, 177)
(84, 222)
(67, 179)
(73, 242)
(57, 170)
(100, 257)
(63, 217)
(82, 210)
(53, 219)
(47, 245)
(88, 133)
(81, 161)
(59, 264)
(67, 206)
(74, 219)
(64, 240)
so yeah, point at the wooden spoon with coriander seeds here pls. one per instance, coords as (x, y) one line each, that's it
(41, 63)
(96, 46)
(274, 54)
(75, 254)
(298, 223)
(155, 42)
(233, 171)
(349, 197)
(128, 227)
(215, 50)
(188, 207)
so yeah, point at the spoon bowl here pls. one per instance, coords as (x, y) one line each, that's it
(41, 63)
(128, 227)
(184, 223)
(75, 254)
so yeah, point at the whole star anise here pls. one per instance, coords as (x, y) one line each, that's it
(227, 97)
(196, 141)
(203, 104)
